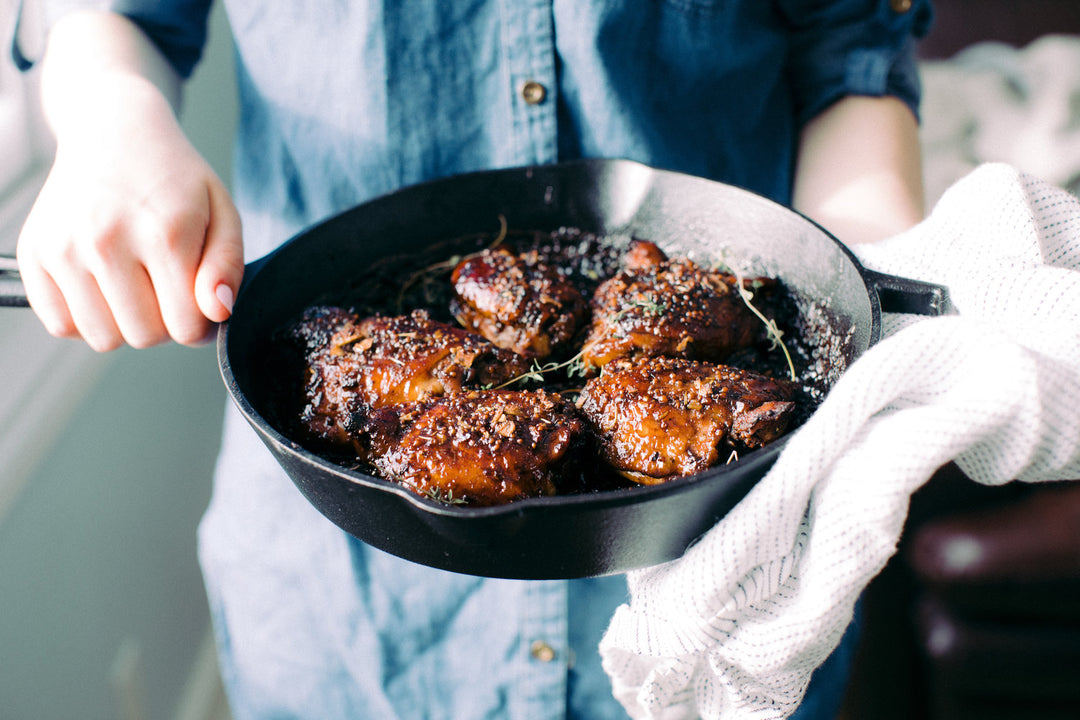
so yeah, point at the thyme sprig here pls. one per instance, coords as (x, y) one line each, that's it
(775, 334)
(647, 304)
(575, 366)
(444, 496)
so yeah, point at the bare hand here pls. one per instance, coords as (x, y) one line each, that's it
(133, 238)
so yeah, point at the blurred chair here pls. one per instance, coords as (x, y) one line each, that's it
(998, 607)
(960, 23)
(978, 614)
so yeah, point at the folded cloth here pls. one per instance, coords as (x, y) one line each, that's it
(735, 627)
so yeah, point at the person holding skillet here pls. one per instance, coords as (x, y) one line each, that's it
(134, 240)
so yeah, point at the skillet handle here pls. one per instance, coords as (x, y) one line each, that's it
(12, 291)
(913, 297)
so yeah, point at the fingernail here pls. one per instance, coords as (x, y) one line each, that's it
(225, 296)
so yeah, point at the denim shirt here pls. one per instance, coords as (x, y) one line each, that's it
(342, 101)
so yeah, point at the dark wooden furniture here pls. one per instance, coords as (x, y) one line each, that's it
(959, 23)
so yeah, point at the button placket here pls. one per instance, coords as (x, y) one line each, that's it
(529, 51)
(542, 648)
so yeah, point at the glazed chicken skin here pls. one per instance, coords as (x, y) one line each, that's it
(354, 365)
(656, 306)
(517, 302)
(483, 447)
(659, 418)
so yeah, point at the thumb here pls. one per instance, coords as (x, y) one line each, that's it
(222, 265)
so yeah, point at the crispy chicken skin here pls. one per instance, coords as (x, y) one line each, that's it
(517, 302)
(659, 418)
(481, 447)
(354, 365)
(657, 306)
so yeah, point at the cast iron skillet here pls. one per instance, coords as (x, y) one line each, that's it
(573, 535)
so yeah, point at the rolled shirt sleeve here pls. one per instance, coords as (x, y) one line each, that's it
(853, 47)
(177, 27)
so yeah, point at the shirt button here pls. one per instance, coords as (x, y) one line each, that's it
(533, 92)
(900, 6)
(542, 651)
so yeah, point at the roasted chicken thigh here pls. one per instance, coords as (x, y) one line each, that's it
(673, 307)
(658, 418)
(518, 302)
(355, 365)
(481, 447)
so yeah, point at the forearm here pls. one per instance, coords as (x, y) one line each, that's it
(99, 62)
(859, 169)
